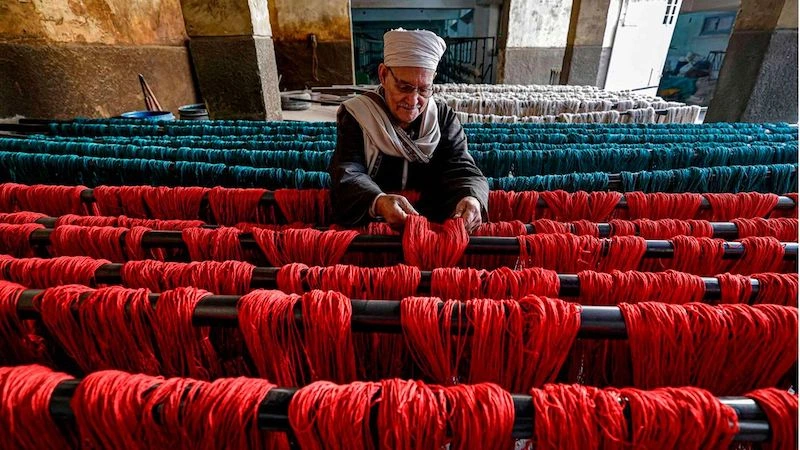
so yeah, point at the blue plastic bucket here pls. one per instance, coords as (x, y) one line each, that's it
(148, 115)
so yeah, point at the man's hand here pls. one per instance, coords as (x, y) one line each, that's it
(394, 209)
(470, 210)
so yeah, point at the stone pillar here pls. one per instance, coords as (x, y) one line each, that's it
(234, 59)
(589, 42)
(303, 62)
(758, 80)
(535, 41)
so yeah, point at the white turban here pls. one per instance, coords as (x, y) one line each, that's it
(418, 48)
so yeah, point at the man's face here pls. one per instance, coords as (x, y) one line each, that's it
(406, 90)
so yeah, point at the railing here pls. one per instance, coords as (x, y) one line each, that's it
(466, 60)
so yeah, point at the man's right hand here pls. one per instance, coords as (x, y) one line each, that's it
(394, 209)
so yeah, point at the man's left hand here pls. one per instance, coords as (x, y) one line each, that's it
(470, 210)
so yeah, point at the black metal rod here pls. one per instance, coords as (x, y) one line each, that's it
(87, 195)
(273, 412)
(267, 278)
(368, 316)
(370, 243)
(720, 230)
(597, 322)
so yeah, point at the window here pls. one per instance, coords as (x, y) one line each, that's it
(718, 24)
(669, 14)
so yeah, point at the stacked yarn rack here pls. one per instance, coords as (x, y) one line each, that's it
(182, 285)
(566, 104)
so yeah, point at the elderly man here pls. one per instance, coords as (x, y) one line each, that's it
(398, 138)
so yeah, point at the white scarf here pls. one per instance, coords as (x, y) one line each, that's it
(383, 136)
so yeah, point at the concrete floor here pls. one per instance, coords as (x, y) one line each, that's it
(316, 113)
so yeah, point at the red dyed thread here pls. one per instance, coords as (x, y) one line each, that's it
(565, 253)
(220, 244)
(19, 340)
(328, 337)
(457, 283)
(623, 253)
(597, 288)
(790, 212)
(109, 328)
(379, 355)
(662, 206)
(158, 224)
(52, 200)
(699, 256)
(290, 278)
(685, 418)
(620, 227)
(90, 221)
(411, 415)
(223, 278)
(509, 205)
(428, 245)
(324, 415)
(777, 288)
(224, 415)
(231, 206)
(266, 318)
(311, 206)
(37, 273)
(745, 204)
(465, 284)
(163, 421)
(481, 416)
(669, 228)
(181, 203)
(96, 242)
(56, 308)
(184, 349)
(780, 408)
(98, 395)
(15, 240)
(8, 196)
(761, 254)
(784, 229)
(275, 344)
(121, 200)
(380, 283)
(508, 229)
(25, 418)
(125, 222)
(427, 330)
(546, 226)
(585, 228)
(728, 349)
(517, 345)
(21, 217)
(595, 206)
(575, 417)
(549, 329)
(734, 288)
(307, 245)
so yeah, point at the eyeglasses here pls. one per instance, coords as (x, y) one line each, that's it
(408, 88)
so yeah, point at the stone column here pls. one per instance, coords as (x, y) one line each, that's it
(234, 59)
(758, 80)
(535, 41)
(589, 42)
